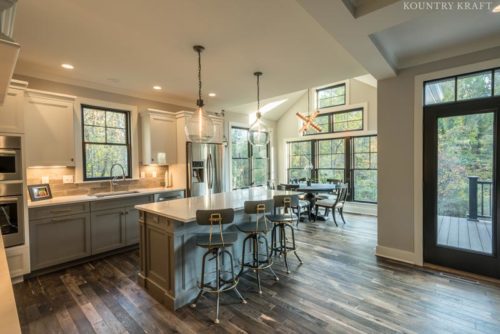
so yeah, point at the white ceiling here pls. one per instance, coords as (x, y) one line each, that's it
(129, 46)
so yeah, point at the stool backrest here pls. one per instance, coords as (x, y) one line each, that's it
(286, 202)
(255, 207)
(259, 208)
(214, 217)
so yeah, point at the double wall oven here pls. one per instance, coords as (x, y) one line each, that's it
(11, 191)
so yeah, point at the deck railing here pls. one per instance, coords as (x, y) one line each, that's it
(480, 198)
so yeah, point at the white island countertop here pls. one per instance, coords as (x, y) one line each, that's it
(9, 320)
(184, 209)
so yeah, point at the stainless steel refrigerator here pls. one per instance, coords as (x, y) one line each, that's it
(205, 169)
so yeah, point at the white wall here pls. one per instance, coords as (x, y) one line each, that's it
(399, 211)
(359, 94)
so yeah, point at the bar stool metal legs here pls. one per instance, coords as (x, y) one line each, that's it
(257, 264)
(222, 282)
(283, 247)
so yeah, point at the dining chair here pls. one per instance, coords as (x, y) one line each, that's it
(335, 204)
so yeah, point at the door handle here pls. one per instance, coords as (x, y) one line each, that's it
(210, 171)
(7, 152)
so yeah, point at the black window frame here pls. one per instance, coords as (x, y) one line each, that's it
(332, 87)
(250, 158)
(331, 122)
(354, 168)
(84, 143)
(455, 79)
(348, 161)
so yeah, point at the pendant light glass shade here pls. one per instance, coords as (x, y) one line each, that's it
(258, 134)
(199, 127)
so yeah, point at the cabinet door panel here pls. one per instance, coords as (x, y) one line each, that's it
(59, 240)
(163, 140)
(108, 230)
(11, 112)
(49, 125)
(132, 226)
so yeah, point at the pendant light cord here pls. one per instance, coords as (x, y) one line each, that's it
(199, 49)
(258, 74)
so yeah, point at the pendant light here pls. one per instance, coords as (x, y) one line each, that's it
(199, 127)
(258, 134)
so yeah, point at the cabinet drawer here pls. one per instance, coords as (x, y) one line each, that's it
(120, 202)
(58, 210)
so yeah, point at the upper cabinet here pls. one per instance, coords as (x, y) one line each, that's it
(11, 112)
(49, 129)
(159, 137)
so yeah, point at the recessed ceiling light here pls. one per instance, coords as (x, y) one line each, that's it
(496, 9)
(67, 66)
(157, 87)
(212, 94)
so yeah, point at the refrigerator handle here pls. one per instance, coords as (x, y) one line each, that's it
(210, 171)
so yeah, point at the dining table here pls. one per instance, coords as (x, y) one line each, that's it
(311, 190)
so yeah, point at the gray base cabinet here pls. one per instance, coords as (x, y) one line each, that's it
(64, 233)
(108, 230)
(58, 240)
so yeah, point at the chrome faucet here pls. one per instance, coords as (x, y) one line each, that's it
(114, 181)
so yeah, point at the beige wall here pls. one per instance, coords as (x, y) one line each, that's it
(288, 125)
(396, 164)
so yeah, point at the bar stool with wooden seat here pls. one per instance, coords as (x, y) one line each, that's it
(256, 232)
(281, 221)
(216, 243)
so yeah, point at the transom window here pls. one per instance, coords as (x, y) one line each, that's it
(106, 141)
(249, 164)
(331, 96)
(463, 87)
(339, 121)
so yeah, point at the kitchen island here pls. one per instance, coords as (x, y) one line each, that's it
(170, 261)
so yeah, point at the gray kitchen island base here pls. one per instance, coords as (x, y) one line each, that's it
(170, 261)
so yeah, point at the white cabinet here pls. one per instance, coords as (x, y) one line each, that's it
(11, 112)
(49, 129)
(159, 138)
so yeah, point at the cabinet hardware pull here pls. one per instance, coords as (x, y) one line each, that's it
(61, 211)
(58, 220)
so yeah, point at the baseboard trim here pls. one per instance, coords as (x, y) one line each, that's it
(396, 254)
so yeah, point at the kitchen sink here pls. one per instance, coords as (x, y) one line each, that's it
(115, 193)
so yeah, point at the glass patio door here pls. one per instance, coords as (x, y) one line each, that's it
(460, 189)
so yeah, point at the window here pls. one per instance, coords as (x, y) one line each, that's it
(476, 85)
(364, 169)
(249, 164)
(331, 96)
(301, 161)
(348, 121)
(331, 159)
(106, 141)
(339, 121)
(347, 158)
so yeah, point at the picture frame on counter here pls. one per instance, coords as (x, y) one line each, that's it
(39, 192)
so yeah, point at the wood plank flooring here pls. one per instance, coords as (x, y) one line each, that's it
(341, 288)
(463, 233)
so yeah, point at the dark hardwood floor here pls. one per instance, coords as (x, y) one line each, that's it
(341, 287)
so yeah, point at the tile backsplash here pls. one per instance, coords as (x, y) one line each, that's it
(58, 188)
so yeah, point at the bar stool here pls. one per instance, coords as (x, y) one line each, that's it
(281, 222)
(215, 244)
(256, 232)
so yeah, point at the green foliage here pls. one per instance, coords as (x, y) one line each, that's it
(474, 86)
(465, 148)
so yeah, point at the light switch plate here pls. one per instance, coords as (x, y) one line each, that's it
(153, 174)
(143, 175)
(45, 179)
(67, 178)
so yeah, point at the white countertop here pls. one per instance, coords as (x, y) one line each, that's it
(9, 320)
(184, 209)
(89, 198)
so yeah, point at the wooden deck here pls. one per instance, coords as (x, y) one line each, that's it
(465, 234)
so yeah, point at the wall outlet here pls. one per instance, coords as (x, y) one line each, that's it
(153, 173)
(143, 175)
(45, 179)
(67, 178)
